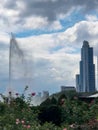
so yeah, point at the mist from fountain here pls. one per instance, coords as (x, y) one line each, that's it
(17, 62)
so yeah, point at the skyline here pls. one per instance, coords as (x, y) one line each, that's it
(50, 33)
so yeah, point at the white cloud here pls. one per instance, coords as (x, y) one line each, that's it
(91, 17)
(55, 25)
(35, 23)
(4, 38)
(41, 13)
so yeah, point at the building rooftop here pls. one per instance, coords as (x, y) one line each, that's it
(85, 43)
(93, 96)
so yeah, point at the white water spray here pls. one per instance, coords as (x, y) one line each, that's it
(16, 62)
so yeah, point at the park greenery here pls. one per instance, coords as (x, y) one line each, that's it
(63, 111)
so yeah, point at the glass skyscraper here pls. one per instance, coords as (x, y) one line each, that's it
(87, 70)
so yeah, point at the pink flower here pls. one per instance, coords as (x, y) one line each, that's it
(17, 94)
(92, 101)
(28, 126)
(65, 129)
(17, 120)
(97, 120)
(17, 123)
(72, 126)
(22, 121)
(62, 101)
(33, 94)
(10, 92)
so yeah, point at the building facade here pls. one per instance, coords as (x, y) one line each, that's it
(68, 88)
(77, 82)
(87, 70)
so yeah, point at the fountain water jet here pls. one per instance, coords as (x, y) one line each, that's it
(20, 67)
(16, 62)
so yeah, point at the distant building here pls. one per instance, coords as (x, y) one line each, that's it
(68, 88)
(39, 94)
(88, 98)
(45, 94)
(77, 82)
(85, 81)
(39, 98)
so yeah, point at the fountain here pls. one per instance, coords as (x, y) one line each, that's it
(16, 62)
(20, 67)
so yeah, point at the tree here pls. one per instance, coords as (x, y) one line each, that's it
(50, 114)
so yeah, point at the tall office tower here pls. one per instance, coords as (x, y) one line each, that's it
(87, 69)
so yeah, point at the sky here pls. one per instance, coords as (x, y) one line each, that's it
(50, 34)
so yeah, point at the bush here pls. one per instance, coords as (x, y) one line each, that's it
(63, 114)
(50, 114)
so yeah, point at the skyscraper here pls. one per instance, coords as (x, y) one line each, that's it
(87, 70)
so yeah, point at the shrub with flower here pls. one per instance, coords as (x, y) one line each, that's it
(17, 113)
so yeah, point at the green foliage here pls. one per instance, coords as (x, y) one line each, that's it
(66, 111)
(2, 108)
(53, 101)
(46, 102)
(50, 114)
(49, 101)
